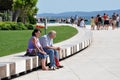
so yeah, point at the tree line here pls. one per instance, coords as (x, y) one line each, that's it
(21, 10)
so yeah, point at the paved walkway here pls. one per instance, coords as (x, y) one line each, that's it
(100, 61)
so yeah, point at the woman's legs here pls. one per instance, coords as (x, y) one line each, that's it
(107, 26)
(98, 27)
(43, 60)
(44, 67)
(92, 27)
(113, 26)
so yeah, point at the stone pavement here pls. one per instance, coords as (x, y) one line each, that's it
(100, 61)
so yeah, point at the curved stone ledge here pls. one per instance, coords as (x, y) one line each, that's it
(16, 64)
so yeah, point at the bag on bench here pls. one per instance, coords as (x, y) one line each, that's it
(33, 53)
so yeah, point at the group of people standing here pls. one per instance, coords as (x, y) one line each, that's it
(79, 21)
(105, 21)
(42, 47)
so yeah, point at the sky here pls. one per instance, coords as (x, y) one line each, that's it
(59, 6)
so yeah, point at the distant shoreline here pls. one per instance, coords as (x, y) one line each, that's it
(78, 13)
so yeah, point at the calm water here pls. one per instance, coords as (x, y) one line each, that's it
(65, 17)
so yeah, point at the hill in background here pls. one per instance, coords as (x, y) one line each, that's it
(78, 13)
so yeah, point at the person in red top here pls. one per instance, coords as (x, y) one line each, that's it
(105, 16)
(106, 21)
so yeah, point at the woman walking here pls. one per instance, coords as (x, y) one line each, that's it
(92, 23)
(106, 21)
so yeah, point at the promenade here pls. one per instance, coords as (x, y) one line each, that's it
(100, 61)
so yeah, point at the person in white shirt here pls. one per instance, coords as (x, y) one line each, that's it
(82, 23)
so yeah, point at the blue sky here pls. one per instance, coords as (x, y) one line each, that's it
(59, 6)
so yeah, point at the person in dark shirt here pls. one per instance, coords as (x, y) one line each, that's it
(99, 22)
(114, 17)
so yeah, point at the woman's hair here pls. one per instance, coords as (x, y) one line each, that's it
(92, 17)
(104, 14)
(35, 31)
(98, 15)
(81, 19)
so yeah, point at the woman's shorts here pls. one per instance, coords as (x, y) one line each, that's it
(99, 23)
(114, 22)
(106, 22)
(42, 56)
(96, 23)
(92, 24)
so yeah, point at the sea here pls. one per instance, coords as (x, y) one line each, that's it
(87, 18)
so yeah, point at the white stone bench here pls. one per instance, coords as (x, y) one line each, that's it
(15, 64)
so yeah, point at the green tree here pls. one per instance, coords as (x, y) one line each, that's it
(22, 8)
(31, 15)
(5, 5)
(5, 9)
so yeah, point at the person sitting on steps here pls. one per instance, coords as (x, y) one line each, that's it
(35, 48)
(47, 44)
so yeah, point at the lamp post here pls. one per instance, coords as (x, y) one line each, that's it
(45, 24)
(35, 16)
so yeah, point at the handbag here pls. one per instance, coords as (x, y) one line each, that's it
(32, 53)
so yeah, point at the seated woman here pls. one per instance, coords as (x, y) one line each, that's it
(35, 48)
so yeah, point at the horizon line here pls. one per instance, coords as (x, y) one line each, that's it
(76, 11)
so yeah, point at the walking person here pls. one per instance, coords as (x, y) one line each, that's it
(92, 23)
(99, 22)
(110, 22)
(114, 17)
(96, 21)
(102, 26)
(82, 23)
(118, 20)
(106, 21)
